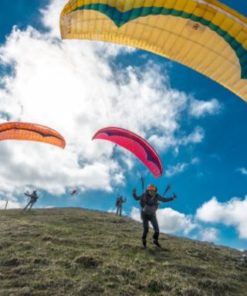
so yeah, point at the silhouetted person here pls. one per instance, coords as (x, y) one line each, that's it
(149, 202)
(119, 205)
(33, 198)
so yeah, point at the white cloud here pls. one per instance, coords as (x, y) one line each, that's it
(168, 140)
(9, 202)
(231, 213)
(135, 214)
(176, 169)
(180, 167)
(71, 87)
(195, 137)
(170, 221)
(203, 108)
(243, 171)
(51, 16)
(209, 234)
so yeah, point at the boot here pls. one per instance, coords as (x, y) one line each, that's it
(144, 242)
(155, 242)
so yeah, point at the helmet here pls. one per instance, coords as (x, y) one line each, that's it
(152, 187)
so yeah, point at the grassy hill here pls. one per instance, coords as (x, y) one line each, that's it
(78, 252)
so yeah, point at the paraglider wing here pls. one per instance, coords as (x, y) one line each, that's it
(30, 132)
(134, 143)
(73, 192)
(205, 35)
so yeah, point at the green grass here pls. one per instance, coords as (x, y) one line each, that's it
(78, 252)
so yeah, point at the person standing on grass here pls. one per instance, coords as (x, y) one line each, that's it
(149, 202)
(119, 205)
(33, 198)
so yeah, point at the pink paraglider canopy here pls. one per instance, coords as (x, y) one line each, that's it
(134, 143)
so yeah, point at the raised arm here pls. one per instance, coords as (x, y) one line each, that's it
(136, 197)
(28, 194)
(166, 199)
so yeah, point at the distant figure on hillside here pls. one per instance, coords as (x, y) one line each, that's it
(119, 205)
(33, 198)
(149, 202)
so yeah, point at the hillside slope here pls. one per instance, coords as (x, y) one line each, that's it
(79, 252)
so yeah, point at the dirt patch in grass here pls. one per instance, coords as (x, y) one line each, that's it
(10, 262)
(87, 261)
(91, 289)
(215, 286)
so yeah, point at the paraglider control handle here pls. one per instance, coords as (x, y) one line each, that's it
(174, 196)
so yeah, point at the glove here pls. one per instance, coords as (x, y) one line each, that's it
(174, 196)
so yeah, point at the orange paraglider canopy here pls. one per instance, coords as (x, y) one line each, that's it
(30, 132)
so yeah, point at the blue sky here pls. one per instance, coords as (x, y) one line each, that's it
(207, 165)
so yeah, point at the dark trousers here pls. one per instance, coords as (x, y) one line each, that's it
(30, 204)
(153, 220)
(119, 211)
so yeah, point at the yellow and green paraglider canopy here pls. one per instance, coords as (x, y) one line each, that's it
(205, 35)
